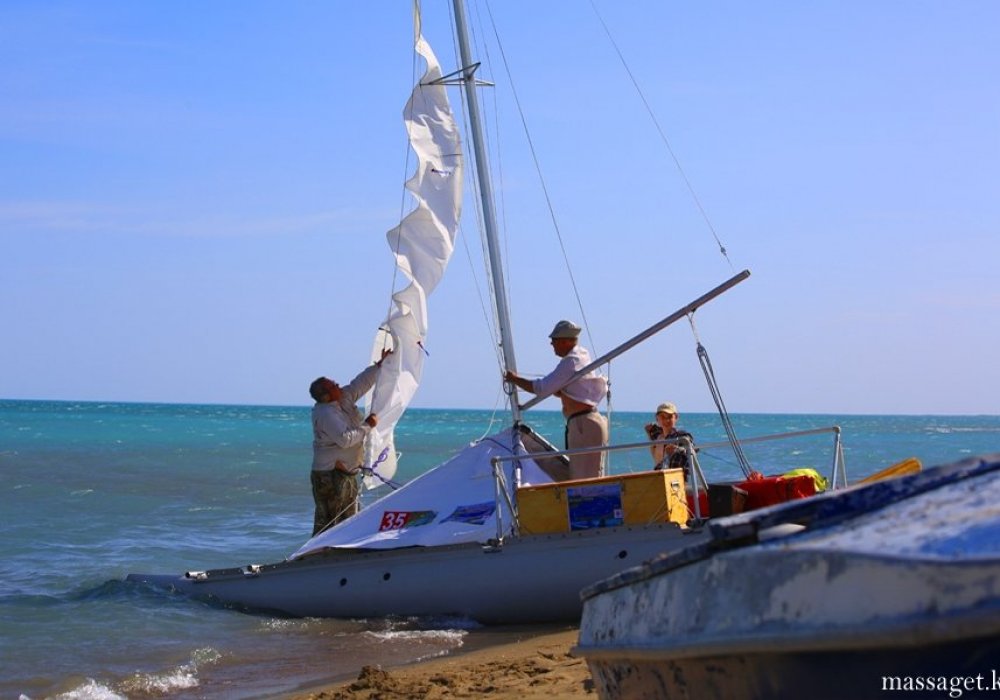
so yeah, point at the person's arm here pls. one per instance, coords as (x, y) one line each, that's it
(361, 384)
(657, 452)
(554, 380)
(684, 434)
(365, 380)
(519, 381)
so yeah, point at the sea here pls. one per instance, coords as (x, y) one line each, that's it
(93, 491)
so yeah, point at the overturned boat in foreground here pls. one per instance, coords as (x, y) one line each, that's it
(891, 586)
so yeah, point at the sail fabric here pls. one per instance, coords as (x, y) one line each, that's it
(422, 245)
(452, 503)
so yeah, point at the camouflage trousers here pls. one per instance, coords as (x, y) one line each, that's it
(336, 497)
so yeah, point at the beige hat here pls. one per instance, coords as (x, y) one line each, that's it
(565, 329)
(666, 408)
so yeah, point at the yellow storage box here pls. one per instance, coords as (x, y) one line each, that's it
(629, 499)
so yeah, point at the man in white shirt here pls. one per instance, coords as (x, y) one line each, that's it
(338, 445)
(585, 426)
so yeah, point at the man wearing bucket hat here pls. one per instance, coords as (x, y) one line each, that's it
(585, 426)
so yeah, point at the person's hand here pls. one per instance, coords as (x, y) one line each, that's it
(509, 376)
(385, 353)
(372, 420)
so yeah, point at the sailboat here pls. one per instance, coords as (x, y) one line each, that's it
(494, 534)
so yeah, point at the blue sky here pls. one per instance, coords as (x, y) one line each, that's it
(193, 199)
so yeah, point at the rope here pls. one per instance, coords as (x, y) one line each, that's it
(551, 209)
(370, 470)
(496, 409)
(490, 326)
(472, 176)
(541, 178)
(402, 211)
(663, 137)
(493, 147)
(403, 194)
(338, 516)
(713, 387)
(509, 390)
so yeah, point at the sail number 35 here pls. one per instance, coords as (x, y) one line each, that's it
(393, 520)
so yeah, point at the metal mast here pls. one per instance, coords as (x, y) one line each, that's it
(486, 196)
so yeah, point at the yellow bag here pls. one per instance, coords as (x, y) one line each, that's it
(806, 471)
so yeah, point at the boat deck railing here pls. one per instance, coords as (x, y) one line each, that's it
(838, 471)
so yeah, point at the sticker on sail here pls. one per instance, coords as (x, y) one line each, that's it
(476, 514)
(398, 520)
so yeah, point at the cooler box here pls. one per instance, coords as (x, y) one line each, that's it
(726, 499)
(630, 499)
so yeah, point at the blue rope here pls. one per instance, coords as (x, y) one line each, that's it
(370, 470)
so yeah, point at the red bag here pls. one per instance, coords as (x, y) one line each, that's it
(776, 489)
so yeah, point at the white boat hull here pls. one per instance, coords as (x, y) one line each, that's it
(528, 579)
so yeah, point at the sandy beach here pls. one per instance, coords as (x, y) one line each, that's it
(538, 666)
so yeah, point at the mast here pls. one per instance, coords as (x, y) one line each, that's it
(486, 196)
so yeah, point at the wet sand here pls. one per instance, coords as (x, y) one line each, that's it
(537, 666)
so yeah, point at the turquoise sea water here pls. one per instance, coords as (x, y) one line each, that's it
(93, 491)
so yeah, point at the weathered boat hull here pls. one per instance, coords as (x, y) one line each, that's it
(890, 586)
(528, 579)
(821, 675)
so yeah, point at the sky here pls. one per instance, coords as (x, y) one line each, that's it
(193, 199)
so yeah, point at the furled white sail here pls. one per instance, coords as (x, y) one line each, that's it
(422, 244)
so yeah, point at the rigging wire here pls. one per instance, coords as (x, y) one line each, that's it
(488, 314)
(496, 164)
(551, 209)
(492, 136)
(663, 137)
(496, 161)
(541, 178)
(501, 398)
(713, 387)
(490, 326)
(473, 177)
(545, 192)
(403, 197)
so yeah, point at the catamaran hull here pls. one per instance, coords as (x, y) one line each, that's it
(529, 579)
